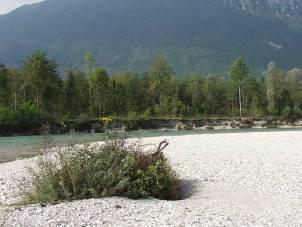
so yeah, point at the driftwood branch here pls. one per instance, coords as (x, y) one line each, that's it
(161, 146)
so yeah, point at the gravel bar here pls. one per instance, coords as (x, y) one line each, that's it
(248, 179)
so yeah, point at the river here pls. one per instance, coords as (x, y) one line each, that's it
(18, 147)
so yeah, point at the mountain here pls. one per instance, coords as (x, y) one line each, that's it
(195, 35)
(277, 8)
(288, 10)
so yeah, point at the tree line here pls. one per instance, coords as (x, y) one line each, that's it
(38, 87)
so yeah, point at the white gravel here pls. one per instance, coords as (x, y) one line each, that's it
(249, 179)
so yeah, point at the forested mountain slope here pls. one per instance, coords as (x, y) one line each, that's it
(195, 35)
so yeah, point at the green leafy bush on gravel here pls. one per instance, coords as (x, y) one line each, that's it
(118, 168)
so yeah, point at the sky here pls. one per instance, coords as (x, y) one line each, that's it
(8, 5)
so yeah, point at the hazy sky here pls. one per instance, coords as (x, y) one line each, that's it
(9, 5)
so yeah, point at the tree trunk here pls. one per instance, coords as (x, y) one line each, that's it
(160, 100)
(37, 98)
(232, 105)
(240, 101)
(15, 101)
(24, 95)
(90, 100)
(59, 108)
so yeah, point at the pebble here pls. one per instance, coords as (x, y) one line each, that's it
(246, 179)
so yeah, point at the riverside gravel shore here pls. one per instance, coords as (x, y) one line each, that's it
(248, 179)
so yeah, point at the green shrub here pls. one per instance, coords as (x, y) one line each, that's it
(296, 111)
(27, 117)
(119, 168)
(286, 112)
(83, 123)
(131, 125)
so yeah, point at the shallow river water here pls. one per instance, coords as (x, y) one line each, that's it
(18, 147)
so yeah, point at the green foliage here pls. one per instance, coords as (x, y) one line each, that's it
(296, 111)
(275, 88)
(76, 93)
(84, 96)
(83, 123)
(89, 60)
(118, 168)
(3, 85)
(99, 81)
(160, 68)
(239, 71)
(27, 118)
(42, 80)
(131, 125)
(286, 112)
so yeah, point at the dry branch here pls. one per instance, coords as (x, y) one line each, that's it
(161, 146)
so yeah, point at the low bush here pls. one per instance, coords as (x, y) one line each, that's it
(83, 123)
(286, 112)
(131, 125)
(118, 168)
(296, 111)
(27, 118)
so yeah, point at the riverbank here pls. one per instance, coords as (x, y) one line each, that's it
(234, 179)
(102, 125)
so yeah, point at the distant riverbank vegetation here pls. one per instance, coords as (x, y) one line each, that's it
(36, 93)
